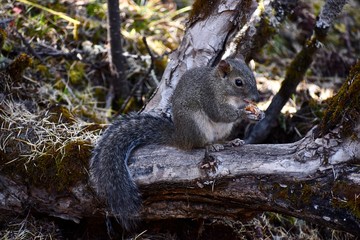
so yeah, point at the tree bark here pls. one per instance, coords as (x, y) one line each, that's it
(217, 26)
(314, 179)
(297, 70)
(227, 28)
(118, 83)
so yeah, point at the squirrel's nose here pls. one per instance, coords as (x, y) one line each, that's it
(255, 97)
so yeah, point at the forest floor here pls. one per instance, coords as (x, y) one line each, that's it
(70, 69)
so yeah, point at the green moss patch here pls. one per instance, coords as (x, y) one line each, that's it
(347, 197)
(46, 151)
(61, 166)
(344, 107)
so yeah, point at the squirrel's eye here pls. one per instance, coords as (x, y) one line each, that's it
(239, 82)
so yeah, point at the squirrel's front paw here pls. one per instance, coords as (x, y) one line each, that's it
(235, 143)
(252, 112)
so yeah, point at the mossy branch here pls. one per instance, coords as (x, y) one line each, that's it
(344, 107)
(262, 26)
(296, 71)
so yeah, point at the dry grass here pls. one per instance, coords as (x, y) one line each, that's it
(30, 228)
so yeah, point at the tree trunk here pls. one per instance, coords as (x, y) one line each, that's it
(118, 83)
(227, 28)
(217, 25)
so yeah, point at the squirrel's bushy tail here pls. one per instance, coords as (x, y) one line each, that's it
(108, 166)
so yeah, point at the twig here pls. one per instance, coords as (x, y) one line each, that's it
(56, 53)
(109, 97)
(140, 82)
(297, 70)
(30, 49)
(150, 53)
(59, 14)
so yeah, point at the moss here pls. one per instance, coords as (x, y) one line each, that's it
(346, 196)
(17, 67)
(306, 194)
(266, 29)
(299, 194)
(280, 192)
(344, 107)
(45, 154)
(202, 9)
(77, 73)
(58, 169)
(61, 166)
(44, 70)
(59, 85)
(60, 114)
(264, 32)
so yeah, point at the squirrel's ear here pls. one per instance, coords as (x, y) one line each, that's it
(224, 68)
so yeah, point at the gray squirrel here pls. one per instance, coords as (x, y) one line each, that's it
(206, 104)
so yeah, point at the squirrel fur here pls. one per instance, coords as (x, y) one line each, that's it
(206, 103)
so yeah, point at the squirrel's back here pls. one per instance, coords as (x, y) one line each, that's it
(108, 165)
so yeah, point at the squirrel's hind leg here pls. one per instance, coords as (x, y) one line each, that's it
(209, 161)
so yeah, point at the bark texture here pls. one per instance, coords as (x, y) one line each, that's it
(316, 179)
(217, 24)
(297, 70)
(119, 84)
(227, 28)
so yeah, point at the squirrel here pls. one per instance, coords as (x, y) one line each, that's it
(206, 104)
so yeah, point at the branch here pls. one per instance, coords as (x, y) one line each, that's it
(227, 28)
(142, 80)
(314, 179)
(216, 25)
(261, 27)
(253, 178)
(296, 71)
